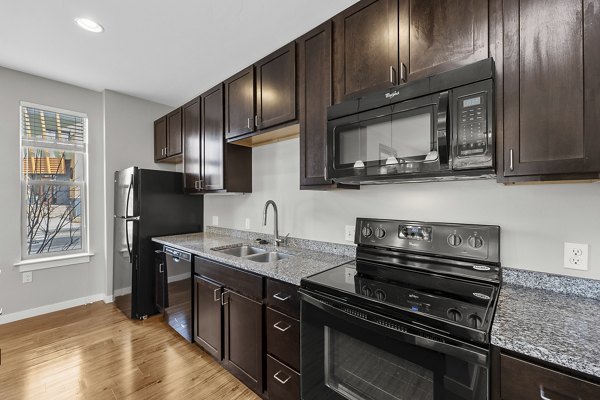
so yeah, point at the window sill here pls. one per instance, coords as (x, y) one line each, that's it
(53, 262)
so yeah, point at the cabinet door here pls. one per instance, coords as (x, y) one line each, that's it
(314, 80)
(174, 133)
(213, 140)
(192, 158)
(239, 103)
(551, 92)
(365, 47)
(276, 88)
(244, 340)
(160, 138)
(440, 35)
(208, 316)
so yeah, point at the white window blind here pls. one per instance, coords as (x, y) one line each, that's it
(53, 181)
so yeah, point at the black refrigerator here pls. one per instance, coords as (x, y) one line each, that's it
(148, 203)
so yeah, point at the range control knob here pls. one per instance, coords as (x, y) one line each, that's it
(367, 291)
(380, 233)
(475, 242)
(380, 294)
(475, 321)
(454, 314)
(366, 231)
(454, 240)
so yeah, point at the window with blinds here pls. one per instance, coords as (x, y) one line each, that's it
(53, 177)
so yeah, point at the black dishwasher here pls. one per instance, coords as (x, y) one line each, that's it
(177, 297)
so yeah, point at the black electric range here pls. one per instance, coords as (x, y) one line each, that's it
(419, 297)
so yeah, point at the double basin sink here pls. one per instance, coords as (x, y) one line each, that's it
(254, 253)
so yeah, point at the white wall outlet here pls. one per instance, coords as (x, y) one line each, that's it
(576, 256)
(215, 220)
(247, 223)
(27, 277)
(349, 237)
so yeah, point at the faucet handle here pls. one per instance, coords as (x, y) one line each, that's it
(284, 240)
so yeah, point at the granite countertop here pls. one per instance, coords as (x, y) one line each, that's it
(305, 261)
(559, 328)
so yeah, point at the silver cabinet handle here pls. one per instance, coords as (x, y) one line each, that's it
(223, 303)
(511, 158)
(256, 120)
(216, 296)
(278, 297)
(276, 326)
(196, 186)
(402, 72)
(249, 122)
(392, 74)
(161, 267)
(201, 184)
(282, 381)
(543, 395)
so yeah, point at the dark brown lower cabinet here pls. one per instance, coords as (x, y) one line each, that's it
(243, 334)
(524, 380)
(208, 316)
(283, 383)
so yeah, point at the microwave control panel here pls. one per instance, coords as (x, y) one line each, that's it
(472, 125)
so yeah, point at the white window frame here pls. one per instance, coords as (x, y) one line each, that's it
(32, 262)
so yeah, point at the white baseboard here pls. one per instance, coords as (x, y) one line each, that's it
(108, 299)
(34, 312)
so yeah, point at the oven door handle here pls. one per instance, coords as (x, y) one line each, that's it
(464, 354)
(443, 130)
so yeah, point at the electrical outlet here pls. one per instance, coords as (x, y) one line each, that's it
(27, 277)
(215, 220)
(576, 256)
(349, 233)
(247, 224)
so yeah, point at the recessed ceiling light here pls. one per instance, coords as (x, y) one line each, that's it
(89, 25)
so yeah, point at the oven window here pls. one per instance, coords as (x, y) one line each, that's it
(357, 371)
(389, 139)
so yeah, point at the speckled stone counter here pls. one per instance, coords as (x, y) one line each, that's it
(305, 261)
(559, 328)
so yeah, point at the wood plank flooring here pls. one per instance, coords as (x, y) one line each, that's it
(95, 352)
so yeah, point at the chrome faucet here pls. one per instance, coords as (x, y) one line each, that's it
(278, 240)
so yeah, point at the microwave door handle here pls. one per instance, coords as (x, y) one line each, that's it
(442, 130)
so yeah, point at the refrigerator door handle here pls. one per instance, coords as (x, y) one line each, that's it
(127, 240)
(128, 218)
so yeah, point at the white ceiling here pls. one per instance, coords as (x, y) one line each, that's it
(160, 50)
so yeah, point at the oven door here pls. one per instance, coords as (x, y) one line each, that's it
(351, 353)
(404, 138)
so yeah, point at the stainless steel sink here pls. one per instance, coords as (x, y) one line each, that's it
(268, 257)
(241, 251)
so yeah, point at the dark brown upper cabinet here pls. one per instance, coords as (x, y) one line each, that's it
(365, 48)
(276, 88)
(551, 92)
(192, 155)
(315, 95)
(210, 165)
(160, 138)
(440, 35)
(168, 137)
(240, 110)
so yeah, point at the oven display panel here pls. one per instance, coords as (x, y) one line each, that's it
(415, 232)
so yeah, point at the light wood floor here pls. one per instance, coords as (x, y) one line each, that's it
(95, 352)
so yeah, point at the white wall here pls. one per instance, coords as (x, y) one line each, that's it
(535, 219)
(54, 285)
(128, 127)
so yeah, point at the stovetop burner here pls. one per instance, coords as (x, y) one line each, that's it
(435, 283)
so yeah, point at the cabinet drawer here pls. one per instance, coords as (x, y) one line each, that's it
(232, 278)
(282, 382)
(283, 297)
(283, 338)
(522, 380)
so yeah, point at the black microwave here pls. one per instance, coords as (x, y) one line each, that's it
(435, 128)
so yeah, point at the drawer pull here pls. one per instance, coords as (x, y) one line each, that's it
(282, 381)
(545, 394)
(276, 326)
(280, 298)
